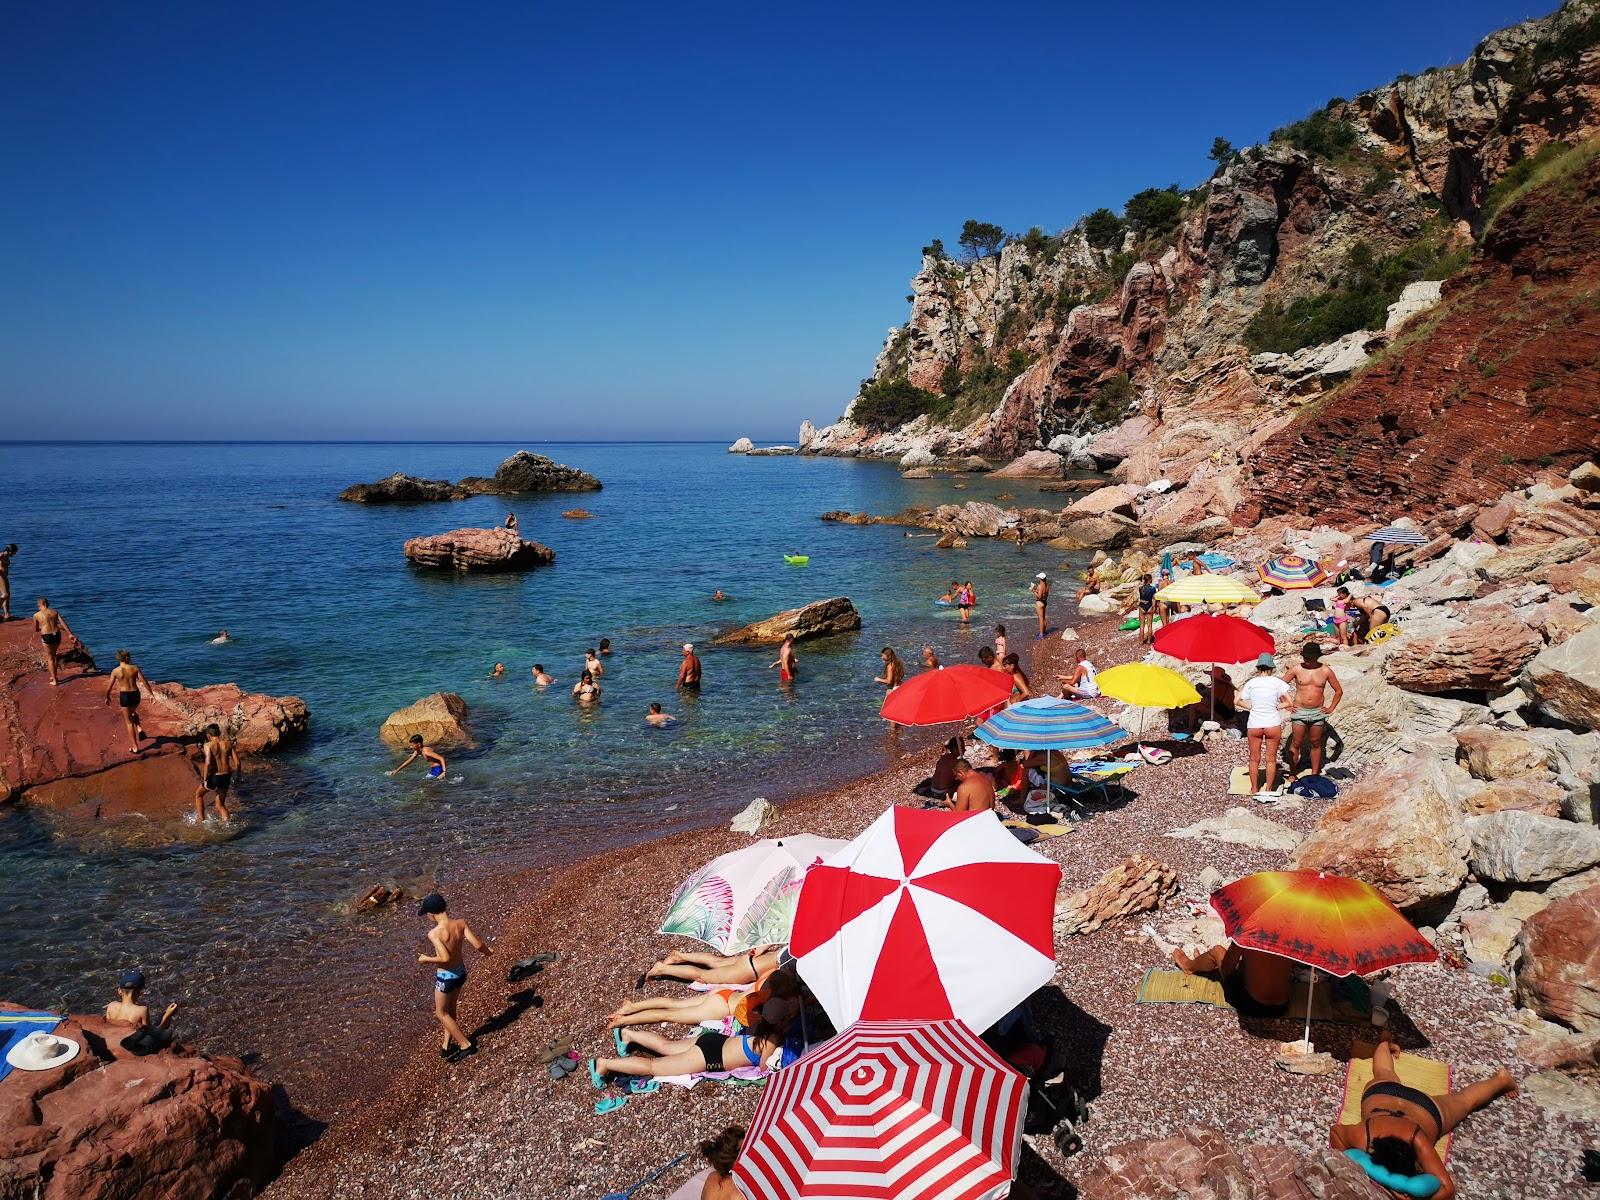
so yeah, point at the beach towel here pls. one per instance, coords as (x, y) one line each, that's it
(1425, 1074)
(1239, 783)
(1348, 1001)
(1053, 829)
(14, 1026)
(744, 1076)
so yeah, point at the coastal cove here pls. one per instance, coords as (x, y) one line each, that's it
(157, 547)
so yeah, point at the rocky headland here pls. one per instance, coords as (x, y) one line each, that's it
(66, 749)
(521, 474)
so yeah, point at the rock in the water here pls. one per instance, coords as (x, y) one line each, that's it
(1558, 969)
(440, 718)
(1400, 829)
(400, 488)
(1523, 847)
(1566, 679)
(1137, 885)
(820, 618)
(477, 550)
(1104, 501)
(1202, 1164)
(578, 514)
(1242, 827)
(524, 472)
(753, 816)
(177, 1123)
(1480, 656)
(742, 446)
(1491, 753)
(975, 518)
(771, 451)
(1035, 464)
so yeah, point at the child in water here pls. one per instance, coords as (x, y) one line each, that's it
(420, 749)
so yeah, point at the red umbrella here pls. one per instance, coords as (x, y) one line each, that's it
(887, 1111)
(1205, 638)
(951, 694)
(927, 915)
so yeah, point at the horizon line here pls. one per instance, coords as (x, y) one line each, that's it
(362, 441)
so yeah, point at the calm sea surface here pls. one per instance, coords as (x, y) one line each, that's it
(156, 547)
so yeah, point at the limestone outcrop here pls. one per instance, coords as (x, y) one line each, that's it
(110, 1125)
(741, 446)
(1137, 885)
(520, 474)
(440, 719)
(820, 618)
(1513, 846)
(1566, 679)
(496, 549)
(1035, 464)
(1483, 655)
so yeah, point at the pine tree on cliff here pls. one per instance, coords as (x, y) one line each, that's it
(980, 239)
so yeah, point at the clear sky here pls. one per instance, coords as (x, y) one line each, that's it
(531, 221)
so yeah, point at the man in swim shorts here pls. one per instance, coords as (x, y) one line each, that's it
(689, 668)
(218, 763)
(1311, 682)
(6, 555)
(450, 974)
(126, 680)
(50, 625)
(788, 666)
(1041, 598)
(420, 749)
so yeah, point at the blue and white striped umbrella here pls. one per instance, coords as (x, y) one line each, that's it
(1394, 535)
(1049, 723)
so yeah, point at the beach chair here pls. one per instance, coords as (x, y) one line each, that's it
(1093, 782)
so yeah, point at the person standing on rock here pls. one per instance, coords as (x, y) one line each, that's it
(511, 521)
(50, 625)
(1041, 599)
(788, 665)
(6, 556)
(1312, 706)
(450, 974)
(219, 762)
(689, 668)
(126, 680)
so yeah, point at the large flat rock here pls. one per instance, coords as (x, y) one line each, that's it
(821, 618)
(477, 550)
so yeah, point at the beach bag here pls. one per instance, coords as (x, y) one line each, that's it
(1314, 787)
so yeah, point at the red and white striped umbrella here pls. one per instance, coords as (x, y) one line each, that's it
(927, 915)
(888, 1110)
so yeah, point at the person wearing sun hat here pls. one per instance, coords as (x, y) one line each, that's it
(1041, 599)
(148, 1036)
(1265, 696)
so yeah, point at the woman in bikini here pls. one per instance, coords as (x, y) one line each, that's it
(1021, 689)
(745, 1007)
(894, 671)
(1399, 1124)
(698, 966)
(711, 1051)
(586, 690)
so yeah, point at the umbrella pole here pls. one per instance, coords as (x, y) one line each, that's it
(1309, 992)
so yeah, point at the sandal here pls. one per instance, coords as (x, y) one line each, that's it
(609, 1104)
(641, 1085)
(622, 1046)
(595, 1077)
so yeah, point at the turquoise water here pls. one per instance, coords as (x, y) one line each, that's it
(157, 547)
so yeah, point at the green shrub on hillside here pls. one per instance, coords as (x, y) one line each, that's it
(950, 379)
(1039, 242)
(1517, 174)
(1318, 135)
(1121, 263)
(1103, 229)
(1154, 212)
(1112, 400)
(887, 403)
(1570, 43)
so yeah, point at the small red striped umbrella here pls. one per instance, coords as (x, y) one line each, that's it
(888, 1110)
(1291, 571)
(949, 694)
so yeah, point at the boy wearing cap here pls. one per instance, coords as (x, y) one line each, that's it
(126, 1009)
(689, 668)
(1041, 598)
(450, 974)
(1312, 708)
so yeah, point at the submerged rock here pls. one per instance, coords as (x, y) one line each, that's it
(478, 550)
(441, 719)
(820, 618)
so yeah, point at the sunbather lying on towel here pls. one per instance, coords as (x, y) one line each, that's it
(748, 966)
(1400, 1124)
(744, 1007)
(711, 1051)
(1256, 983)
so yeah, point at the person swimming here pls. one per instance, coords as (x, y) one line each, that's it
(605, 647)
(221, 639)
(586, 690)
(658, 718)
(420, 749)
(541, 677)
(498, 672)
(718, 595)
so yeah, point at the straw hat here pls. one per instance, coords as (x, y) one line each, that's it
(42, 1052)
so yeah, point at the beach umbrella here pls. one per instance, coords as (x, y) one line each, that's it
(1047, 723)
(1208, 589)
(1291, 571)
(951, 694)
(1209, 638)
(888, 1111)
(927, 915)
(1329, 922)
(746, 898)
(1145, 685)
(1396, 535)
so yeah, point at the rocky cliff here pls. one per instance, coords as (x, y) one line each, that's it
(1219, 317)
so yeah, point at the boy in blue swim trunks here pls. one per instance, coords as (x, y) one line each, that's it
(450, 974)
(420, 749)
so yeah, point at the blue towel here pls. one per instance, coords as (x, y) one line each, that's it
(1215, 561)
(14, 1026)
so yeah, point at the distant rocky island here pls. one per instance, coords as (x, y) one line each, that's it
(519, 475)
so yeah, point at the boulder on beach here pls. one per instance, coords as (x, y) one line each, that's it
(1513, 846)
(110, 1124)
(1565, 679)
(1499, 754)
(742, 446)
(498, 549)
(1558, 963)
(441, 719)
(1107, 532)
(400, 488)
(820, 618)
(1483, 655)
(1035, 464)
(1101, 502)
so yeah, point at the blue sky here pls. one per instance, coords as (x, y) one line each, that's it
(529, 221)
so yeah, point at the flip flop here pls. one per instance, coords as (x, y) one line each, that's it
(522, 970)
(461, 1052)
(609, 1104)
(557, 1050)
(595, 1076)
(639, 1085)
(622, 1046)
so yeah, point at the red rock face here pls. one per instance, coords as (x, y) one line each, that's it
(1505, 381)
(110, 1125)
(1558, 975)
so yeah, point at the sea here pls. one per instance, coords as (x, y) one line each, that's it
(158, 547)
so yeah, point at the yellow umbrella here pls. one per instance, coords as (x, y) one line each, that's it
(1144, 685)
(1208, 589)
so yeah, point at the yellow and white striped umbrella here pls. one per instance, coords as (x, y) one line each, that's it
(1208, 589)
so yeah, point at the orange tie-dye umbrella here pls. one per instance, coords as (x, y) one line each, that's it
(1329, 922)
